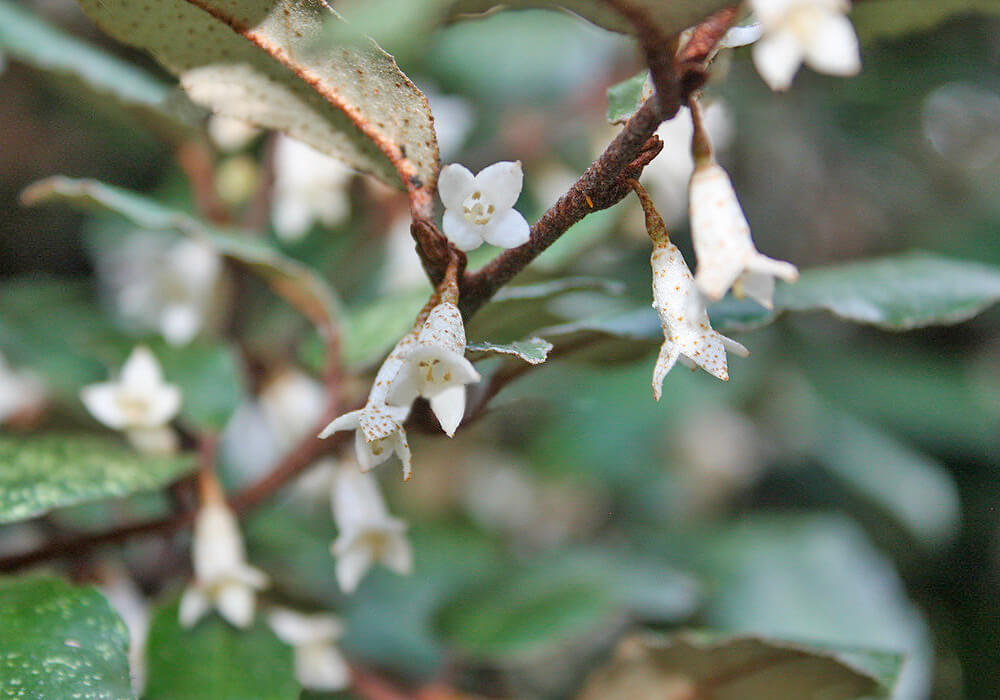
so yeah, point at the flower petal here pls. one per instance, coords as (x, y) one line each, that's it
(162, 440)
(397, 555)
(508, 230)
(833, 46)
(236, 602)
(501, 183)
(363, 450)
(455, 183)
(405, 387)
(756, 285)
(777, 57)
(102, 402)
(664, 363)
(194, 605)
(465, 235)
(403, 450)
(321, 667)
(348, 421)
(164, 403)
(141, 372)
(352, 565)
(449, 407)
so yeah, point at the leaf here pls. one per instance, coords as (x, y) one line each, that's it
(49, 471)
(549, 288)
(263, 61)
(528, 610)
(899, 292)
(893, 18)
(655, 667)
(625, 98)
(666, 18)
(30, 39)
(297, 283)
(534, 351)
(372, 329)
(60, 641)
(770, 571)
(214, 660)
(911, 486)
(210, 380)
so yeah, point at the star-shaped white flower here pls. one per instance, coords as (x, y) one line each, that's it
(309, 186)
(378, 426)
(319, 665)
(815, 31)
(481, 207)
(436, 368)
(221, 575)
(139, 403)
(726, 254)
(367, 533)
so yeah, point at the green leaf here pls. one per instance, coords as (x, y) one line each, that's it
(899, 292)
(534, 351)
(550, 288)
(625, 98)
(665, 18)
(28, 38)
(51, 325)
(770, 571)
(528, 610)
(893, 18)
(60, 641)
(214, 660)
(297, 283)
(655, 667)
(50, 471)
(264, 62)
(373, 328)
(911, 486)
(210, 380)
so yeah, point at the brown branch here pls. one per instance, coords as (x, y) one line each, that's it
(195, 159)
(371, 686)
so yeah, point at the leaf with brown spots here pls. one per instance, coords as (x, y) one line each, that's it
(266, 61)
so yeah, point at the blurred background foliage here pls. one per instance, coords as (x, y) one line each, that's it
(841, 489)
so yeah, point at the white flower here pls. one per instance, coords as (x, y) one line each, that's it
(222, 576)
(379, 427)
(292, 402)
(367, 533)
(308, 187)
(436, 368)
(139, 403)
(231, 134)
(480, 207)
(688, 335)
(668, 175)
(21, 391)
(132, 607)
(815, 31)
(319, 665)
(726, 254)
(163, 285)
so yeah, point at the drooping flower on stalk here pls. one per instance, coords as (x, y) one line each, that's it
(222, 577)
(687, 333)
(367, 534)
(319, 665)
(436, 367)
(727, 258)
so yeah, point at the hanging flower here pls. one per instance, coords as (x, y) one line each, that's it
(480, 207)
(309, 186)
(436, 368)
(726, 254)
(688, 334)
(367, 533)
(138, 403)
(319, 665)
(378, 426)
(230, 133)
(222, 576)
(21, 392)
(815, 31)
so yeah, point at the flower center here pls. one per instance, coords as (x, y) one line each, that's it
(135, 408)
(478, 211)
(378, 446)
(431, 369)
